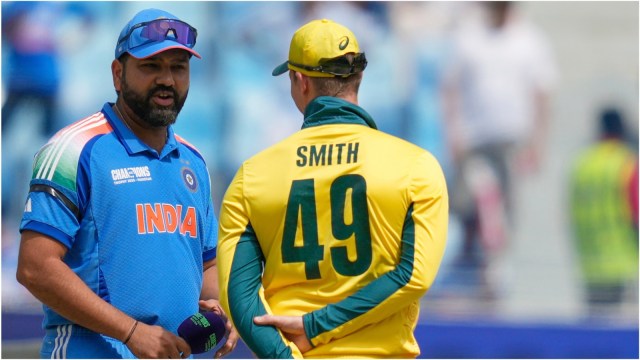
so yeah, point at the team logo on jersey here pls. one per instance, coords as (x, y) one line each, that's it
(130, 175)
(189, 179)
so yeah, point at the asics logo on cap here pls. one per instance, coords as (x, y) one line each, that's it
(344, 43)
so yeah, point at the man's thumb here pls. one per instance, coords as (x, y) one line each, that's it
(263, 320)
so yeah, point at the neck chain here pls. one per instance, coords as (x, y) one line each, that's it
(126, 123)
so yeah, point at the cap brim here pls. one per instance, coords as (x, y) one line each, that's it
(144, 52)
(281, 69)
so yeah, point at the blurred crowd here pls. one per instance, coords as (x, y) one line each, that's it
(471, 82)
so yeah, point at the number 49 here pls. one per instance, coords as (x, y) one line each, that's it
(302, 203)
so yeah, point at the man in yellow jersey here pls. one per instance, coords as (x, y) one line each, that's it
(334, 234)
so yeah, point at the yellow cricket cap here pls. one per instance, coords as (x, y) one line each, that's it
(316, 42)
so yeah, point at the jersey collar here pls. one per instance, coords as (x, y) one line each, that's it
(326, 110)
(131, 142)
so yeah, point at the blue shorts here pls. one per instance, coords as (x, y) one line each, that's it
(73, 341)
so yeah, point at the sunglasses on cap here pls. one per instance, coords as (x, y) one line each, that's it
(339, 66)
(160, 30)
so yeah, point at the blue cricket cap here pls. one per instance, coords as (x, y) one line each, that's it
(152, 31)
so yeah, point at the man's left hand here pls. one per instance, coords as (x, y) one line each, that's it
(232, 333)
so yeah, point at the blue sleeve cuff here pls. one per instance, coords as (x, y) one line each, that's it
(209, 254)
(50, 231)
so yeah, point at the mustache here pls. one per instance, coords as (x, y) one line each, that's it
(162, 88)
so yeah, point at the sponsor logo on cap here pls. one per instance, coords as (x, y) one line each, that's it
(343, 43)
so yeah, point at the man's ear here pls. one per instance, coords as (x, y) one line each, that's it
(303, 81)
(116, 72)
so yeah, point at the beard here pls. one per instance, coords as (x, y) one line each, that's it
(150, 112)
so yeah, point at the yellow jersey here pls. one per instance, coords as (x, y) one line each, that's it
(339, 223)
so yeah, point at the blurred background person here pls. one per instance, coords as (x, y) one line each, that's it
(33, 35)
(497, 93)
(602, 187)
(32, 44)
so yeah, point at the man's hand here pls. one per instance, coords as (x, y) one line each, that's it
(291, 326)
(232, 335)
(154, 342)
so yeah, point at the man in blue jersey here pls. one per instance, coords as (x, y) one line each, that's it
(119, 234)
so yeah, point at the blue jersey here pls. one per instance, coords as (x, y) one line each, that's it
(138, 225)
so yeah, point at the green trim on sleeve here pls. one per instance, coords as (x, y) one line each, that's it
(245, 281)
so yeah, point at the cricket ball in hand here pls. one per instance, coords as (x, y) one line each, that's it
(202, 331)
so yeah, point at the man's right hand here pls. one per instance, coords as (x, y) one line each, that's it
(154, 342)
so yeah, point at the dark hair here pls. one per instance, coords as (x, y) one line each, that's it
(611, 123)
(336, 86)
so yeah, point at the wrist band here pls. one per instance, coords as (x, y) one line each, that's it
(133, 328)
